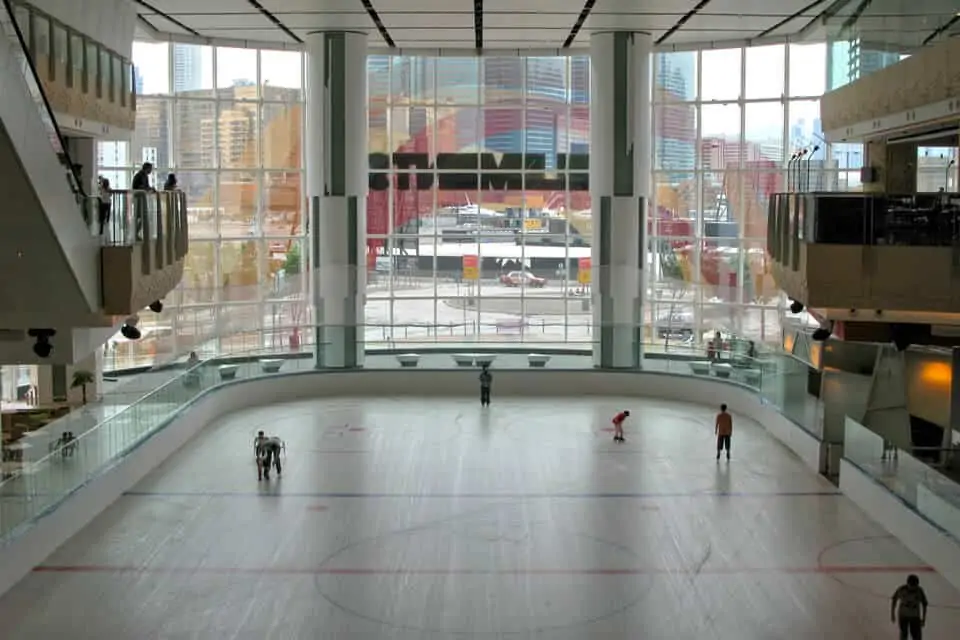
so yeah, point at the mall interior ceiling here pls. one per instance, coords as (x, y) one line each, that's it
(551, 26)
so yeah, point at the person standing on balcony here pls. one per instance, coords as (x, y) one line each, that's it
(141, 183)
(103, 191)
(171, 183)
(141, 179)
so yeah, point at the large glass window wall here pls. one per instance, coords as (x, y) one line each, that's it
(229, 124)
(499, 258)
(726, 123)
(491, 256)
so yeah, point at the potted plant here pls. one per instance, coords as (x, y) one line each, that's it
(81, 378)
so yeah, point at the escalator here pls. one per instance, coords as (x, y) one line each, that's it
(49, 255)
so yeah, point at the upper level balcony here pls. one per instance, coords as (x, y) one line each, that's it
(87, 85)
(869, 258)
(144, 244)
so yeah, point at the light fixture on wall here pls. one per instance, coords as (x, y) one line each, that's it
(129, 329)
(823, 332)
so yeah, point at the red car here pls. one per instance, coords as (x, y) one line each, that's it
(522, 278)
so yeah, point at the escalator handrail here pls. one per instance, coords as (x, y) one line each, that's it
(76, 184)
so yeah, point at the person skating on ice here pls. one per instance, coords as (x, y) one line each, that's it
(911, 614)
(267, 450)
(723, 429)
(618, 421)
(486, 381)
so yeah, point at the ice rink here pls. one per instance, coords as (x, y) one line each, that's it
(431, 518)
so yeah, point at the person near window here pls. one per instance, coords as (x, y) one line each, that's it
(103, 191)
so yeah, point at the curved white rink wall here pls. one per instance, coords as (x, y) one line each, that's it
(20, 555)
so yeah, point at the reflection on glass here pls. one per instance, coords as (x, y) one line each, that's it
(722, 74)
(676, 76)
(281, 70)
(239, 202)
(763, 135)
(457, 80)
(192, 68)
(502, 80)
(237, 135)
(237, 68)
(152, 62)
(240, 280)
(808, 70)
(281, 131)
(237, 151)
(721, 147)
(152, 136)
(764, 72)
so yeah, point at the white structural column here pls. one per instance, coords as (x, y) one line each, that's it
(336, 167)
(620, 150)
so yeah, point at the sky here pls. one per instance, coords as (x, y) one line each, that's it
(720, 79)
(277, 68)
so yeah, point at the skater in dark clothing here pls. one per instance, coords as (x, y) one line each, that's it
(912, 613)
(267, 450)
(486, 381)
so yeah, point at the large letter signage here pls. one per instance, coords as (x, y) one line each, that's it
(471, 171)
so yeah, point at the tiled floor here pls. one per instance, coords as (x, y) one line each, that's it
(415, 519)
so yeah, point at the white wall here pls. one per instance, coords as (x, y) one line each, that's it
(26, 551)
(49, 259)
(109, 22)
(922, 538)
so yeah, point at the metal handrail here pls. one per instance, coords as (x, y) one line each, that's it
(40, 97)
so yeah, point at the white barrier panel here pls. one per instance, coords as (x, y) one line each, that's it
(932, 545)
(20, 555)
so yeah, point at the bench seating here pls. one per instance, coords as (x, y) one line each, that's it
(228, 371)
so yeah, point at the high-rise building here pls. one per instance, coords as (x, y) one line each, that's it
(675, 115)
(187, 67)
(849, 60)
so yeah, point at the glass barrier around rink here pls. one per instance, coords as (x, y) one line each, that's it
(921, 486)
(66, 453)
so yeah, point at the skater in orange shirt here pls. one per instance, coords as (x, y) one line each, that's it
(723, 430)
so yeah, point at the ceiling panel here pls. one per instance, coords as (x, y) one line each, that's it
(779, 8)
(653, 24)
(442, 20)
(534, 23)
(528, 20)
(212, 7)
(227, 21)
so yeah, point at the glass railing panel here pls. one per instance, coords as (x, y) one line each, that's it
(21, 47)
(926, 490)
(59, 467)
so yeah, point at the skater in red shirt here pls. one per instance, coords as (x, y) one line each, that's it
(618, 425)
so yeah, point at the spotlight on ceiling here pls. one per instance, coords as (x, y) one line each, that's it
(42, 347)
(823, 332)
(796, 307)
(156, 306)
(129, 329)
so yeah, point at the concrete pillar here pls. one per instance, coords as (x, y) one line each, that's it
(620, 155)
(336, 168)
(894, 167)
